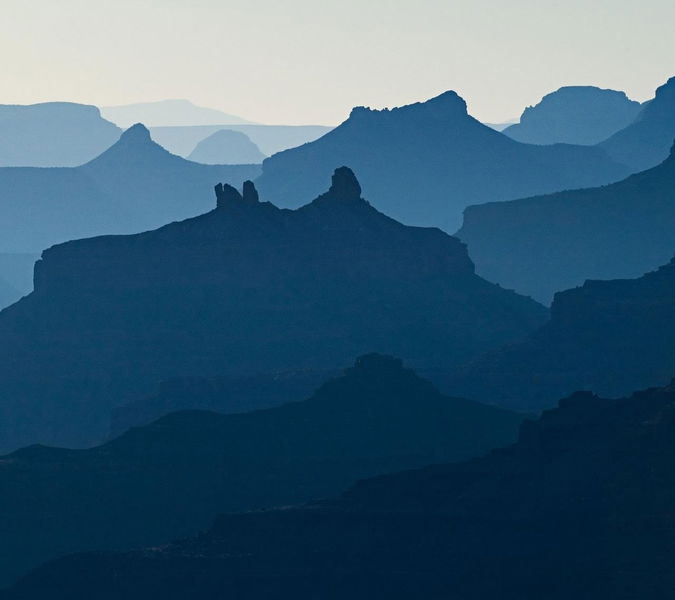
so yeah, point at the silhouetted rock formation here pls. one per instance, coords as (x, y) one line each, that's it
(545, 244)
(133, 186)
(174, 476)
(53, 134)
(270, 139)
(606, 336)
(226, 147)
(246, 288)
(423, 163)
(218, 394)
(583, 115)
(168, 113)
(579, 507)
(647, 141)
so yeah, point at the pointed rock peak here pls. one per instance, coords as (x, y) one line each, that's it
(345, 186)
(226, 195)
(249, 193)
(136, 133)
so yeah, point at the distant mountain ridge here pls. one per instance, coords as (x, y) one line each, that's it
(243, 289)
(53, 134)
(226, 147)
(170, 112)
(584, 115)
(579, 507)
(174, 476)
(545, 244)
(424, 163)
(132, 186)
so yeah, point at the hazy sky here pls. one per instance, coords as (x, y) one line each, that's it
(310, 61)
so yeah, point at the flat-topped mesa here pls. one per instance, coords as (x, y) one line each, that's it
(227, 195)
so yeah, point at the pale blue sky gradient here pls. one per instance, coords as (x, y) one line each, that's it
(308, 61)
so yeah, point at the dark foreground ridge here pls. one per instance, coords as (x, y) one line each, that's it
(172, 477)
(579, 507)
(245, 289)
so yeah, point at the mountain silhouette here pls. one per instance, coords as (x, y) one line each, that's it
(269, 138)
(53, 134)
(133, 186)
(579, 507)
(609, 337)
(218, 394)
(424, 163)
(174, 476)
(584, 115)
(8, 294)
(168, 112)
(244, 289)
(647, 141)
(545, 244)
(226, 147)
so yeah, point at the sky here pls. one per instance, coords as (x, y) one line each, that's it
(310, 61)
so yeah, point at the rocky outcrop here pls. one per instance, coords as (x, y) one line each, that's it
(422, 164)
(247, 288)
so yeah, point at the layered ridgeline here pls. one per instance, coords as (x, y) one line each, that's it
(647, 141)
(606, 336)
(545, 244)
(424, 163)
(53, 134)
(579, 507)
(173, 477)
(226, 147)
(133, 186)
(584, 115)
(243, 289)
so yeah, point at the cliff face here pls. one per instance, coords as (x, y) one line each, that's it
(172, 477)
(424, 163)
(244, 289)
(646, 141)
(606, 336)
(545, 244)
(580, 506)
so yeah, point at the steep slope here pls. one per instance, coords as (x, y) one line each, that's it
(226, 147)
(172, 477)
(53, 134)
(579, 507)
(423, 163)
(8, 294)
(168, 112)
(606, 336)
(584, 115)
(646, 141)
(244, 289)
(542, 245)
(133, 186)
